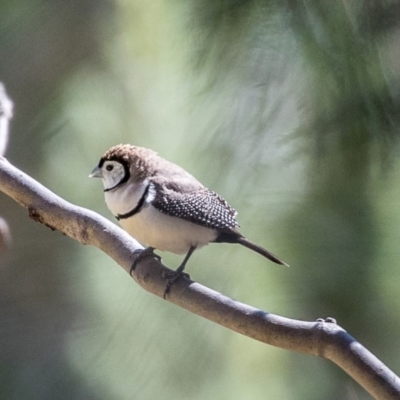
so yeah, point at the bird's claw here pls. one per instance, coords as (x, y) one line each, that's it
(172, 277)
(140, 254)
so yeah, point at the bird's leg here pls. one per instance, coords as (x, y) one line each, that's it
(140, 254)
(175, 275)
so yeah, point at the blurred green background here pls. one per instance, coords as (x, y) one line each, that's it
(289, 109)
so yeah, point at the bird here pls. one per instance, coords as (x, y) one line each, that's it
(164, 207)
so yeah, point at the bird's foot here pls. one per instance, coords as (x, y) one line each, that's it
(140, 254)
(172, 277)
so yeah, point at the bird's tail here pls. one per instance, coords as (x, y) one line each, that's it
(260, 250)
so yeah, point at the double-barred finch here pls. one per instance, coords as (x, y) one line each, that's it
(164, 207)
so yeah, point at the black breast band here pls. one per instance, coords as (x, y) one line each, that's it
(138, 207)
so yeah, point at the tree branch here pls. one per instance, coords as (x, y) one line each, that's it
(321, 338)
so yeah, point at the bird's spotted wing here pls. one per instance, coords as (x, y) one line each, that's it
(202, 207)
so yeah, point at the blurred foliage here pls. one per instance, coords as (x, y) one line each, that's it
(289, 109)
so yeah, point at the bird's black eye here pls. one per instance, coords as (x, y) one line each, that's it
(109, 167)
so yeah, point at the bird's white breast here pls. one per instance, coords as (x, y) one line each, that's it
(163, 232)
(123, 200)
(154, 228)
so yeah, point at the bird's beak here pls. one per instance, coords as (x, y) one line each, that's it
(96, 173)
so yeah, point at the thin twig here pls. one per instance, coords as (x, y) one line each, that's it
(6, 113)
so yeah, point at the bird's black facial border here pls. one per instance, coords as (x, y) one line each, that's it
(126, 176)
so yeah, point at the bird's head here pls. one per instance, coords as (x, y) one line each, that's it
(122, 163)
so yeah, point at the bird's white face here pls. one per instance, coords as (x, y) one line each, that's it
(112, 174)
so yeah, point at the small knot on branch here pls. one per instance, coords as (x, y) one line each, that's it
(36, 216)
